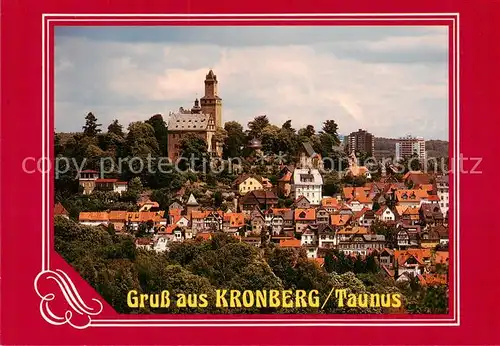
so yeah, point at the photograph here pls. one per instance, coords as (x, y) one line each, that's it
(255, 170)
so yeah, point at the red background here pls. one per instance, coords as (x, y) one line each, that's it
(21, 322)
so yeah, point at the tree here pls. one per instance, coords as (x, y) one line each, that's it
(218, 199)
(160, 132)
(91, 127)
(307, 132)
(331, 184)
(330, 127)
(269, 135)
(194, 150)
(141, 140)
(134, 189)
(287, 126)
(257, 125)
(235, 140)
(116, 128)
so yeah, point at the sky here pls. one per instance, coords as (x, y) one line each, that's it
(391, 81)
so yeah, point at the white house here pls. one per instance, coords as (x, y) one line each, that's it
(326, 236)
(161, 244)
(443, 192)
(308, 183)
(385, 214)
(308, 238)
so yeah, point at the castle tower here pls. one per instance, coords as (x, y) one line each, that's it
(211, 103)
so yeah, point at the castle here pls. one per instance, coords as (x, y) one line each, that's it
(202, 120)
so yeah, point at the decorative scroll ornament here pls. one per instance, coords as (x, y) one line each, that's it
(78, 314)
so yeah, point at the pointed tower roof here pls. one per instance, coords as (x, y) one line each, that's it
(211, 75)
(192, 201)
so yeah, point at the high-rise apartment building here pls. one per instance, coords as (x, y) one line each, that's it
(361, 141)
(407, 146)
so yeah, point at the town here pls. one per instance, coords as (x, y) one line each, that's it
(398, 217)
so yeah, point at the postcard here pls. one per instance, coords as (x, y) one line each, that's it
(173, 176)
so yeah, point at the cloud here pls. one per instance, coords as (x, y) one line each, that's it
(379, 80)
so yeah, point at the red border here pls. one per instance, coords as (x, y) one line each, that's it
(21, 57)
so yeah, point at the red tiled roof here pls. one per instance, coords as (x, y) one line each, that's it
(93, 216)
(305, 214)
(105, 180)
(290, 243)
(60, 210)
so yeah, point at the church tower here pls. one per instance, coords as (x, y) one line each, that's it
(211, 103)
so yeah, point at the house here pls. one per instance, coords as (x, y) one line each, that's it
(178, 234)
(233, 222)
(429, 238)
(326, 236)
(191, 205)
(260, 198)
(410, 198)
(311, 251)
(385, 214)
(285, 181)
(266, 183)
(288, 220)
(257, 221)
(176, 206)
(206, 221)
(93, 218)
(361, 244)
(309, 158)
(430, 214)
(181, 221)
(443, 189)
(113, 185)
(322, 216)
(246, 183)
(161, 244)
(302, 203)
(275, 218)
(412, 261)
(144, 243)
(441, 257)
(410, 216)
(443, 232)
(87, 179)
(386, 257)
(358, 198)
(59, 210)
(365, 217)
(414, 178)
(354, 170)
(408, 237)
(149, 218)
(198, 221)
(345, 233)
(214, 220)
(119, 220)
(309, 237)
(303, 218)
(307, 183)
(290, 243)
(254, 241)
(148, 206)
(340, 219)
(331, 204)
